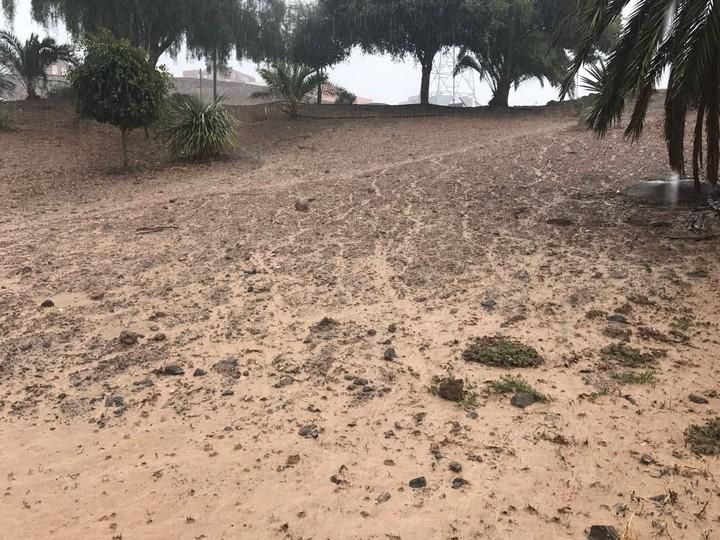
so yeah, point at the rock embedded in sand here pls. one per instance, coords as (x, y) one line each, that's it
(128, 338)
(302, 205)
(523, 399)
(114, 401)
(47, 304)
(199, 372)
(617, 318)
(451, 389)
(390, 354)
(309, 431)
(603, 532)
(383, 498)
(459, 482)
(647, 459)
(418, 483)
(698, 398)
(173, 369)
(455, 467)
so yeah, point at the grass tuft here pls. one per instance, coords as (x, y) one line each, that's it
(627, 356)
(498, 351)
(509, 384)
(705, 439)
(631, 377)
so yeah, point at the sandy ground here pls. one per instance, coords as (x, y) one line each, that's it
(423, 234)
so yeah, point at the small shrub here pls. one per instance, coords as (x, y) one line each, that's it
(704, 439)
(627, 356)
(509, 384)
(197, 130)
(632, 377)
(6, 121)
(498, 351)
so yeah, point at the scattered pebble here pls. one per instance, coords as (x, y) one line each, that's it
(128, 338)
(618, 318)
(383, 498)
(451, 389)
(114, 401)
(309, 431)
(455, 467)
(522, 400)
(698, 398)
(603, 532)
(199, 372)
(418, 483)
(173, 369)
(458, 482)
(390, 354)
(47, 304)
(302, 205)
(647, 459)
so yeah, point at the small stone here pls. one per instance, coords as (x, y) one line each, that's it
(227, 392)
(451, 389)
(698, 398)
(349, 377)
(309, 431)
(392, 328)
(293, 459)
(455, 467)
(522, 400)
(383, 498)
(199, 372)
(647, 459)
(302, 205)
(154, 328)
(603, 532)
(114, 401)
(560, 221)
(128, 338)
(359, 381)
(159, 337)
(98, 295)
(390, 354)
(367, 389)
(458, 482)
(47, 304)
(372, 332)
(173, 369)
(618, 318)
(285, 380)
(144, 383)
(418, 483)
(489, 304)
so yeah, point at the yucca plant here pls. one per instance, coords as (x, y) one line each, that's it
(29, 61)
(198, 130)
(683, 37)
(293, 84)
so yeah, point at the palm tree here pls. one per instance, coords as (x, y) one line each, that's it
(683, 37)
(7, 84)
(293, 84)
(29, 61)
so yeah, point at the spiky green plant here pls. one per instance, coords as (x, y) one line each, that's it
(198, 130)
(7, 84)
(293, 84)
(682, 37)
(29, 61)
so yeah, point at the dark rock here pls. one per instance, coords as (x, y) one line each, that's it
(390, 354)
(159, 337)
(418, 483)
(522, 400)
(368, 389)
(199, 372)
(383, 498)
(698, 398)
(285, 380)
(309, 431)
(302, 205)
(359, 381)
(455, 467)
(114, 401)
(99, 295)
(372, 332)
(227, 392)
(128, 338)
(47, 304)
(338, 480)
(616, 317)
(560, 221)
(451, 389)
(173, 369)
(144, 383)
(228, 367)
(392, 328)
(647, 459)
(458, 482)
(603, 532)
(489, 304)
(349, 377)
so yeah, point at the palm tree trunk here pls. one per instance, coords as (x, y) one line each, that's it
(214, 68)
(501, 96)
(713, 122)
(123, 135)
(698, 144)
(320, 91)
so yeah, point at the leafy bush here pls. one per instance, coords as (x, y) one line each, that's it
(499, 351)
(345, 98)
(117, 85)
(198, 130)
(508, 384)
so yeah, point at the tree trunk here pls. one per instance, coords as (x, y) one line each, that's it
(123, 135)
(501, 95)
(425, 82)
(319, 94)
(712, 110)
(214, 68)
(30, 88)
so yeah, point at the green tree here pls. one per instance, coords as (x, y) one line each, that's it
(682, 38)
(29, 61)
(293, 85)
(402, 28)
(345, 98)
(7, 84)
(117, 85)
(313, 41)
(158, 26)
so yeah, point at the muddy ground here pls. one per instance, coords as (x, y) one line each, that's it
(422, 234)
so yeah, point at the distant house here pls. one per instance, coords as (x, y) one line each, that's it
(226, 76)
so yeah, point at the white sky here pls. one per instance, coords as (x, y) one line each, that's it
(377, 77)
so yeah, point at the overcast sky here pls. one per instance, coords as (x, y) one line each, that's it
(380, 78)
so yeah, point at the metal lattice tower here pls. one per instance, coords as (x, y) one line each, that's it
(456, 91)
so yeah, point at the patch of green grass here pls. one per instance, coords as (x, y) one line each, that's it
(509, 384)
(632, 377)
(705, 439)
(627, 356)
(499, 351)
